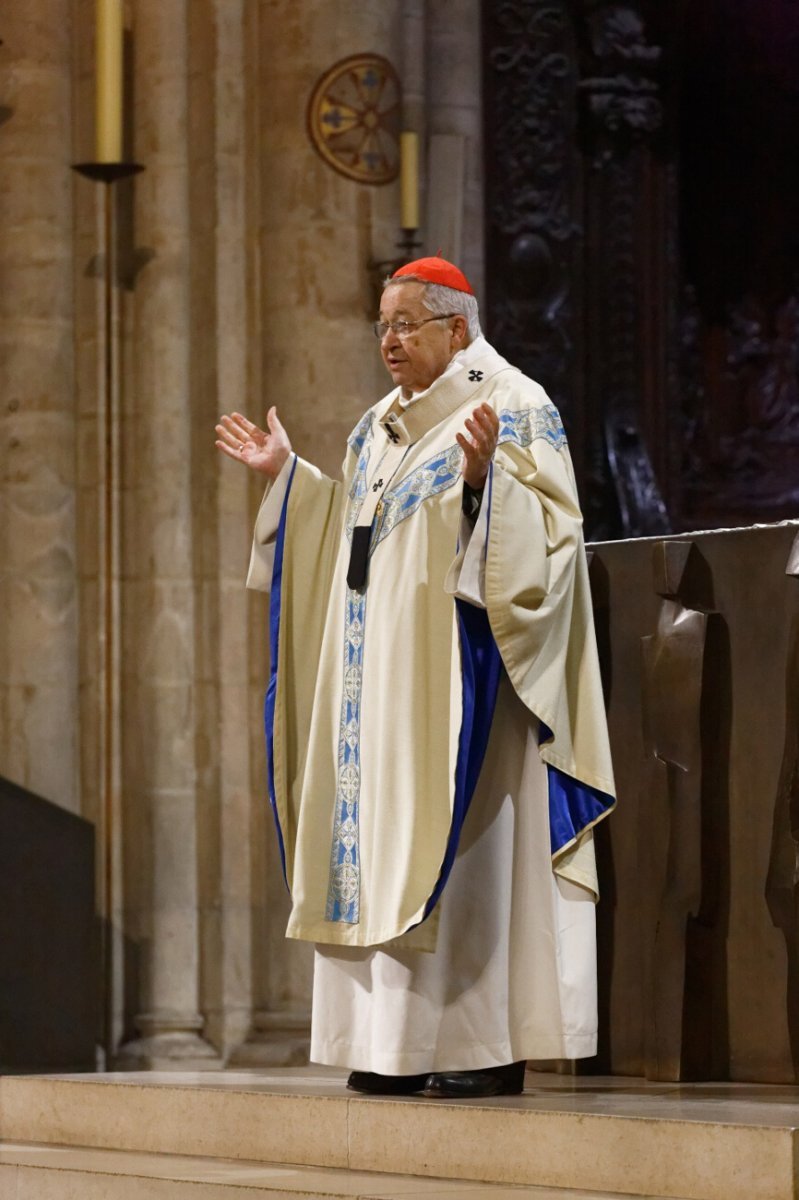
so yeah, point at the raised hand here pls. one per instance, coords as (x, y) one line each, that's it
(478, 448)
(239, 439)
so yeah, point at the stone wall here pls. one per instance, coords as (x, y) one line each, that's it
(39, 625)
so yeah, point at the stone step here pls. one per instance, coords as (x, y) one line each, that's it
(611, 1136)
(30, 1172)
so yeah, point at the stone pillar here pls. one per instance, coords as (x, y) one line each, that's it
(319, 230)
(454, 122)
(414, 83)
(224, 48)
(160, 743)
(320, 365)
(38, 629)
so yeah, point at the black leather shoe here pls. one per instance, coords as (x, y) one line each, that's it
(373, 1084)
(507, 1080)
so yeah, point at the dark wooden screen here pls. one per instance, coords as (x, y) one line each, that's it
(642, 180)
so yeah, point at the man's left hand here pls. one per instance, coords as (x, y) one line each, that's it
(478, 448)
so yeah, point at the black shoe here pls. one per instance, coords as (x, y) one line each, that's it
(468, 1085)
(385, 1085)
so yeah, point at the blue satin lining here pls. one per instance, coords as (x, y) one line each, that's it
(573, 805)
(481, 670)
(271, 690)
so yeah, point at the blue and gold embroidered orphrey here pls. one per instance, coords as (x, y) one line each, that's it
(345, 876)
(400, 502)
(444, 470)
(523, 428)
(358, 436)
(370, 696)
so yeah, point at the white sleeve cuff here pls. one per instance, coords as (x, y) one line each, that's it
(466, 577)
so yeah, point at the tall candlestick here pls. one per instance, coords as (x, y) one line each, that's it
(108, 95)
(409, 180)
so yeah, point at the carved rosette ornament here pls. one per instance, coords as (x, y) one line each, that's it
(353, 118)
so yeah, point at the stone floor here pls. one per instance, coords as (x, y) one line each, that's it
(298, 1132)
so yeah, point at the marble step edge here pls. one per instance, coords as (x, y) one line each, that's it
(88, 1172)
(681, 1159)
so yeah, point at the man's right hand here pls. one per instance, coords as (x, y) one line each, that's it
(239, 439)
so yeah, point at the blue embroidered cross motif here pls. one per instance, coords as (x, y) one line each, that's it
(475, 376)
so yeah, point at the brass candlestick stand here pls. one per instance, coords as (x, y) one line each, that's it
(408, 246)
(108, 173)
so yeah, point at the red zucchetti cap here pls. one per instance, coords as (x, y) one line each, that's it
(437, 270)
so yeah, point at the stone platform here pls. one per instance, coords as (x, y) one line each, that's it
(298, 1132)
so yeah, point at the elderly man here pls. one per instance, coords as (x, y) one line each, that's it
(436, 740)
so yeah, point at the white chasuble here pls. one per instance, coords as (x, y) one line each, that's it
(436, 740)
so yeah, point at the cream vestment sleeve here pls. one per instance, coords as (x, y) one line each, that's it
(262, 555)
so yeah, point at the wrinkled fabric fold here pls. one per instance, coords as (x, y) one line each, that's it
(377, 718)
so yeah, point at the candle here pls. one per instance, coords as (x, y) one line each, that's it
(108, 82)
(409, 180)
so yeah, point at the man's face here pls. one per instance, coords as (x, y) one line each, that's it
(417, 359)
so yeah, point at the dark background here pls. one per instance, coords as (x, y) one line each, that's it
(643, 247)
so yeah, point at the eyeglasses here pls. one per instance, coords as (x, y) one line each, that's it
(403, 328)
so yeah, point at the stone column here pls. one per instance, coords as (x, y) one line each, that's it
(224, 48)
(38, 629)
(454, 122)
(160, 743)
(320, 366)
(412, 67)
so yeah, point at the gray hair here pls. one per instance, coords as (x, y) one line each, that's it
(444, 301)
